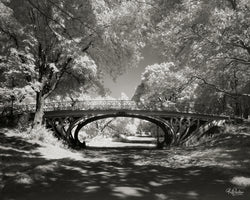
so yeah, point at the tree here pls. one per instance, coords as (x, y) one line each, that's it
(46, 43)
(164, 83)
(212, 39)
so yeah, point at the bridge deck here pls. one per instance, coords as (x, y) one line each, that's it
(89, 107)
(79, 113)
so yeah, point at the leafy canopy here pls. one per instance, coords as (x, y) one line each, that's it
(44, 44)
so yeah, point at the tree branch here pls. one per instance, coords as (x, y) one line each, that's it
(87, 47)
(239, 60)
(73, 18)
(242, 45)
(50, 18)
(231, 94)
(233, 4)
(58, 78)
(11, 36)
(107, 124)
(78, 79)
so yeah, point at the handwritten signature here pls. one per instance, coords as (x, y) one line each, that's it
(234, 191)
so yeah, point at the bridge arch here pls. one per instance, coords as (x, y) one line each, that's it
(163, 124)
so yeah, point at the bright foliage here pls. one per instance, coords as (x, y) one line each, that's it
(63, 45)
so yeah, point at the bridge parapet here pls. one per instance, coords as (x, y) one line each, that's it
(111, 105)
(93, 105)
(99, 104)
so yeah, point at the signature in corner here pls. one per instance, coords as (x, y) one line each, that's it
(234, 191)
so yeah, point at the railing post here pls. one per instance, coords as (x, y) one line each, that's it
(122, 104)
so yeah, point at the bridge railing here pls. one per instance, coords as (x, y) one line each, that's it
(93, 105)
(112, 105)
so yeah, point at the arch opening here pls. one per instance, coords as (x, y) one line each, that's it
(165, 131)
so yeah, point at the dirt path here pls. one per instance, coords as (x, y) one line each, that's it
(33, 171)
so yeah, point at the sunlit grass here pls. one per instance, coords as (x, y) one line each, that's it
(241, 181)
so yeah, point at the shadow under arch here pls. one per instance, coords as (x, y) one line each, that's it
(163, 124)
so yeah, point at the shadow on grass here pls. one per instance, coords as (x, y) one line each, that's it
(16, 142)
(16, 156)
(16, 152)
(68, 179)
(117, 176)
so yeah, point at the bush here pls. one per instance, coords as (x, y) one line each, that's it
(43, 135)
(208, 138)
(230, 128)
(119, 138)
(23, 122)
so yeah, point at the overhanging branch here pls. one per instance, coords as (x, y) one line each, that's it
(231, 94)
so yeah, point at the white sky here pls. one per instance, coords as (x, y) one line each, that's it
(128, 82)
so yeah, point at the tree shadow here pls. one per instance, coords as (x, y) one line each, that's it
(235, 147)
(111, 174)
(68, 179)
(16, 156)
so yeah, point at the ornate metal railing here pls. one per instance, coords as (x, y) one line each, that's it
(110, 105)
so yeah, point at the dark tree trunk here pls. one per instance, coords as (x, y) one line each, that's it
(238, 109)
(40, 101)
(246, 113)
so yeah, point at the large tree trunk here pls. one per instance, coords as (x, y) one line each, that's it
(40, 101)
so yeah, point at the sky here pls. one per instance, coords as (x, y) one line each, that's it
(128, 82)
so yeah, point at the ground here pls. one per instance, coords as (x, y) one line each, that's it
(217, 169)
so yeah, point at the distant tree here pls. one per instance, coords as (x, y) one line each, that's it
(147, 128)
(164, 82)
